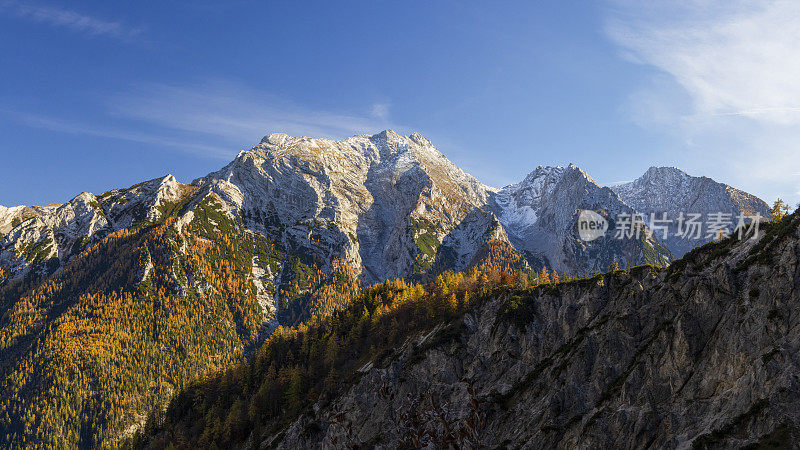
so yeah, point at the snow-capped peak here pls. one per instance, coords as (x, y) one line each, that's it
(518, 202)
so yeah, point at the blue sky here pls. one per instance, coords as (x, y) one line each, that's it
(98, 95)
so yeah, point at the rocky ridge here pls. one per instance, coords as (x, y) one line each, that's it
(671, 191)
(541, 214)
(700, 355)
(44, 238)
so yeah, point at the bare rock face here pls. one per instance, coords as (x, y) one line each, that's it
(541, 213)
(43, 236)
(466, 244)
(388, 206)
(362, 199)
(671, 191)
(700, 355)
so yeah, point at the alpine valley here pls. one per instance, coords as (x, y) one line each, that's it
(368, 292)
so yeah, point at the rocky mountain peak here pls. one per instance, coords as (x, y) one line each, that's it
(275, 138)
(661, 176)
(368, 195)
(547, 175)
(581, 173)
(388, 135)
(168, 187)
(386, 149)
(663, 171)
(366, 198)
(671, 191)
(543, 181)
(420, 139)
(540, 214)
(83, 197)
(540, 172)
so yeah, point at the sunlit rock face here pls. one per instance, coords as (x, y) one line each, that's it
(389, 206)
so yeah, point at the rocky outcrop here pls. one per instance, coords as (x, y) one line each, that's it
(465, 246)
(700, 355)
(43, 238)
(541, 212)
(671, 191)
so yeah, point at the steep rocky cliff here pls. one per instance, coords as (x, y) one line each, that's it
(700, 355)
(541, 213)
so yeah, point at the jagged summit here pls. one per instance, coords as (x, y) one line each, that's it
(583, 173)
(43, 238)
(540, 214)
(671, 191)
(420, 139)
(543, 171)
(367, 191)
(384, 203)
(362, 149)
(275, 138)
(389, 136)
(654, 170)
(551, 172)
(661, 174)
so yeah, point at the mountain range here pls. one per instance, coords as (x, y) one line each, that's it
(384, 204)
(112, 303)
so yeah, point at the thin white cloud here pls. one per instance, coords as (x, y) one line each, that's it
(234, 112)
(380, 111)
(78, 128)
(212, 119)
(617, 183)
(732, 57)
(69, 19)
(727, 85)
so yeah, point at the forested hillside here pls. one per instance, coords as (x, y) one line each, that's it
(316, 361)
(88, 352)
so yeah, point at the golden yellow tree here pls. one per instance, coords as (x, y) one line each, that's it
(544, 276)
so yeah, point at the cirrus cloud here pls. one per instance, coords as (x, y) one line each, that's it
(69, 19)
(726, 85)
(207, 118)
